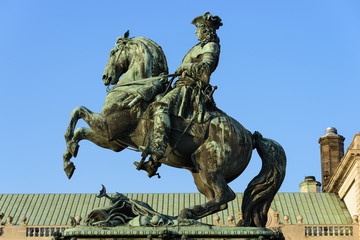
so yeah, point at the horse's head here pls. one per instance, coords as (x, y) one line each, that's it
(134, 58)
(118, 62)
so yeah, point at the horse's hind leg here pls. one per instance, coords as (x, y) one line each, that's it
(217, 199)
(217, 192)
(210, 181)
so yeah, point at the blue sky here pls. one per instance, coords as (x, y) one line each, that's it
(288, 69)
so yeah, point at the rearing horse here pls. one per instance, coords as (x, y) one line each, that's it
(136, 59)
(216, 152)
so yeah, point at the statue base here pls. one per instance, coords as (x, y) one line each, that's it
(168, 232)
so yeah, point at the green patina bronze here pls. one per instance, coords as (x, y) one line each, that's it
(179, 125)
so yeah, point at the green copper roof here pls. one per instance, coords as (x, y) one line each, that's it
(55, 209)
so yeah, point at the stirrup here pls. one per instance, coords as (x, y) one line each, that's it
(150, 167)
(144, 154)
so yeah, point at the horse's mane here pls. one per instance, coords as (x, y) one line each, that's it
(152, 55)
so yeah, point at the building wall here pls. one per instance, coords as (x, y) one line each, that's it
(346, 180)
(350, 199)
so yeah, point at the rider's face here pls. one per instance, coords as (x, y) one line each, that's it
(200, 33)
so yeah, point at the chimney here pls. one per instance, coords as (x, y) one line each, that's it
(331, 153)
(310, 185)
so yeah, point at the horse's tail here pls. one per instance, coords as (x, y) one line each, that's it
(261, 190)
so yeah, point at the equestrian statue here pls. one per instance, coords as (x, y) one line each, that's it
(179, 124)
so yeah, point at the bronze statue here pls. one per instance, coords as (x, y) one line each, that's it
(192, 92)
(203, 139)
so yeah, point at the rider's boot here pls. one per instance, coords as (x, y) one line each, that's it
(158, 144)
(161, 131)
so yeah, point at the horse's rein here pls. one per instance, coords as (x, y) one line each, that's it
(143, 81)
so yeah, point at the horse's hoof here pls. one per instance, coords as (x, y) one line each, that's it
(139, 166)
(73, 148)
(69, 169)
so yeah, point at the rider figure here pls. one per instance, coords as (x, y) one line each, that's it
(192, 92)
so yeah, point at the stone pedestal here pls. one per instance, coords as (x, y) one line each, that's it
(169, 232)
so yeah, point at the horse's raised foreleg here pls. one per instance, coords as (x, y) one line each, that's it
(88, 134)
(94, 120)
(97, 134)
(69, 166)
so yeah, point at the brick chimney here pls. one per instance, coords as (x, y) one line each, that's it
(310, 185)
(331, 153)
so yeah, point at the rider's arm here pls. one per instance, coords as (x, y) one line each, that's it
(204, 64)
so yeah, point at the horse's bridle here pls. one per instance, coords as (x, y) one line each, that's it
(121, 49)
